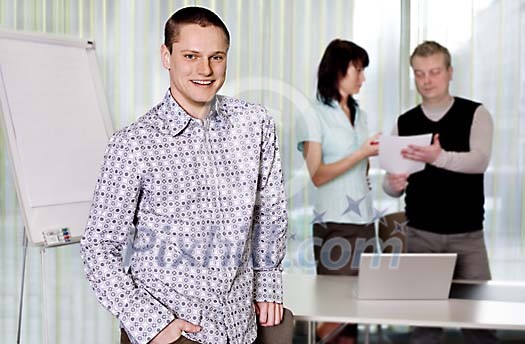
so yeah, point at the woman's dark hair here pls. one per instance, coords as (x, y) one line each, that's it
(333, 66)
(191, 15)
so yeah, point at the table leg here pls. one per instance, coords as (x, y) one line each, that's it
(367, 334)
(311, 332)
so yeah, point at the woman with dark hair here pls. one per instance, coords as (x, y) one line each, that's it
(335, 145)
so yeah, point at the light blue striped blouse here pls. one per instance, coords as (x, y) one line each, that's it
(336, 200)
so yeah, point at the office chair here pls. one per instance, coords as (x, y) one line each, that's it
(280, 334)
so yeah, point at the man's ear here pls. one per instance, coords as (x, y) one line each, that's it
(165, 56)
(451, 71)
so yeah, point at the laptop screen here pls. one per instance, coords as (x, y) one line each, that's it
(405, 276)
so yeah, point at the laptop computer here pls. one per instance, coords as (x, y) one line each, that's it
(405, 276)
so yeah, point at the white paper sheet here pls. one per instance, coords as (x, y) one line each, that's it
(390, 158)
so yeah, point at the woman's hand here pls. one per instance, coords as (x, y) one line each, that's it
(371, 146)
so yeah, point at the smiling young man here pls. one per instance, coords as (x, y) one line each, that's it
(444, 202)
(196, 185)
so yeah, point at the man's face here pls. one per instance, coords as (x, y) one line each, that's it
(197, 66)
(432, 77)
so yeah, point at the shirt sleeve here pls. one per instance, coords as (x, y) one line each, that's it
(108, 230)
(477, 159)
(270, 220)
(308, 128)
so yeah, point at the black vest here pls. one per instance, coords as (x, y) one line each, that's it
(439, 200)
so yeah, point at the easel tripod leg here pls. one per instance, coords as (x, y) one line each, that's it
(44, 295)
(22, 285)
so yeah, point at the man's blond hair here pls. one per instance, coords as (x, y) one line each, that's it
(428, 48)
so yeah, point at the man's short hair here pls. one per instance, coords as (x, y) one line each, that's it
(428, 48)
(191, 15)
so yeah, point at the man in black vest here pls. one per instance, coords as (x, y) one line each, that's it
(444, 202)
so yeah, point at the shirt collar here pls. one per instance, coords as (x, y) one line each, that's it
(335, 105)
(176, 119)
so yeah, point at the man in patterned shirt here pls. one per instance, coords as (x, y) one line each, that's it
(196, 185)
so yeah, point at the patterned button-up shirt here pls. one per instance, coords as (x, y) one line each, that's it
(203, 204)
